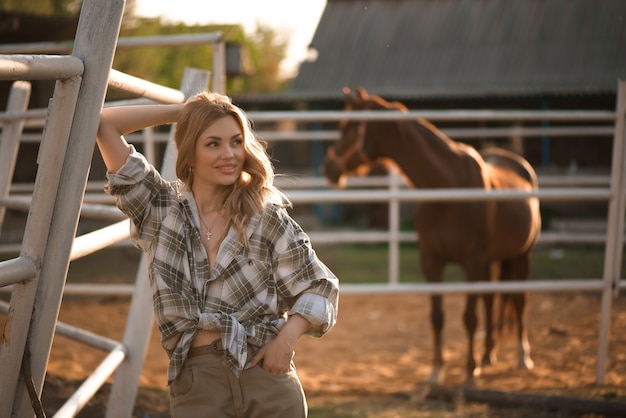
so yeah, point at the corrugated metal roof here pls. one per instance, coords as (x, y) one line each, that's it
(426, 49)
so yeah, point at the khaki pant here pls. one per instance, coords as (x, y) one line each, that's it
(206, 388)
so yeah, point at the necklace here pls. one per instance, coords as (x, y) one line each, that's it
(208, 234)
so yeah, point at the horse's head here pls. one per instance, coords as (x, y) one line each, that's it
(356, 151)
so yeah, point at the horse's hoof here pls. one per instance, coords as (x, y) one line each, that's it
(489, 360)
(440, 393)
(523, 354)
(470, 383)
(436, 376)
(526, 364)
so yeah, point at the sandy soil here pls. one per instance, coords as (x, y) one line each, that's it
(381, 345)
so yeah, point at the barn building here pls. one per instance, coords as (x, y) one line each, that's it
(470, 54)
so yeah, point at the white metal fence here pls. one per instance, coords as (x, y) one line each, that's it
(37, 276)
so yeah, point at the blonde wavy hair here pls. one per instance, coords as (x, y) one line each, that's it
(254, 189)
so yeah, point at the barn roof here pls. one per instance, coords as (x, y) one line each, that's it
(438, 49)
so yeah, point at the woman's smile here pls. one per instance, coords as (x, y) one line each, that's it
(220, 153)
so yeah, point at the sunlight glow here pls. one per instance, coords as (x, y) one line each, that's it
(295, 21)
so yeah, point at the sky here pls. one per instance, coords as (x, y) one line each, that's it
(294, 20)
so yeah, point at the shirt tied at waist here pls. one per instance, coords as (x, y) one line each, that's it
(236, 337)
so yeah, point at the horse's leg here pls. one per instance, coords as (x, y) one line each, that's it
(501, 317)
(433, 271)
(476, 270)
(489, 355)
(470, 320)
(437, 320)
(521, 271)
(523, 349)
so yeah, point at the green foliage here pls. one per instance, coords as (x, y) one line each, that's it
(165, 64)
(267, 52)
(162, 65)
(42, 7)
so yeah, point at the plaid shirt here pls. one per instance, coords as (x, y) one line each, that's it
(249, 293)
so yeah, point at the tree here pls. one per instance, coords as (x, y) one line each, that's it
(43, 7)
(267, 51)
(165, 65)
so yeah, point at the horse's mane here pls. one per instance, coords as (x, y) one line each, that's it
(362, 100)
(377, 102)
(382, 103)
(367, 101)
(374, 102)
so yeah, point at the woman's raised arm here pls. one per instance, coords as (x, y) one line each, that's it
(115, 122)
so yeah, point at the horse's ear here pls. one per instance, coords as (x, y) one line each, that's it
(361, 93)
(349, 98)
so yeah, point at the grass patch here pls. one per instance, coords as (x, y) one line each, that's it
(368, 263)
(359, 263)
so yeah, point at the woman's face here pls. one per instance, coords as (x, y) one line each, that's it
(220, 153)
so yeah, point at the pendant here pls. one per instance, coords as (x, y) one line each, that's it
(209, 234)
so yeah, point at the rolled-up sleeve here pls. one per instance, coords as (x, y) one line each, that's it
(304, 281)
(136, 187)
(134, 170)
(320, 311)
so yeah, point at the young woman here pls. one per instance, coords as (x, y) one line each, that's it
(235, 280)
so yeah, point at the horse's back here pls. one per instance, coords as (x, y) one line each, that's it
(508, 168)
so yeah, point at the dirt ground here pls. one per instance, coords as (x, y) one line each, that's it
(381, 347)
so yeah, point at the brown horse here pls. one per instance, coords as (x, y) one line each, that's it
(490, 240)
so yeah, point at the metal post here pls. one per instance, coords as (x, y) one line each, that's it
(140, 316)
(53, 146)
(615, 231)
(10, 139)
(96, 38)
(219, 67)
(394, 230)
(149, 145)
